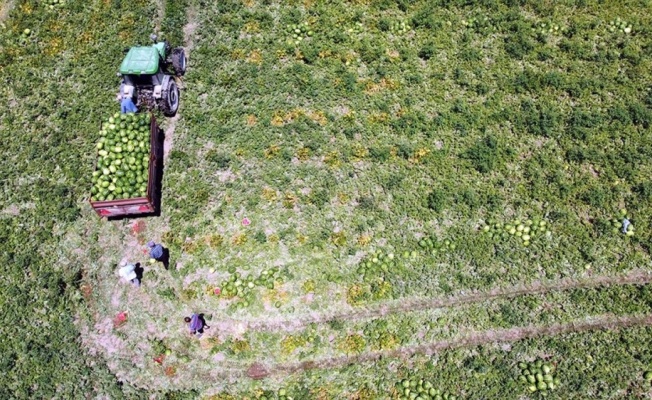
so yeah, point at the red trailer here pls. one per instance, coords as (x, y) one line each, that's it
(140, 206)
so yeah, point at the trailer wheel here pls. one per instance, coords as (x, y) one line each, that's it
(169, 102)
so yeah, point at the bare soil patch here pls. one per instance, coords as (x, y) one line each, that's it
(5, 8)
(188, 40)
(160, 6)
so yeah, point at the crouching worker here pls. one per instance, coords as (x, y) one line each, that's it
(196, 324)
(126, 104)
(158, 253)
(128, 273)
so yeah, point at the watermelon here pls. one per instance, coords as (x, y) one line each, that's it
(122, 158)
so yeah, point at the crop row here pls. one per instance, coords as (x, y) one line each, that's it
(580, 363)
(409, 329)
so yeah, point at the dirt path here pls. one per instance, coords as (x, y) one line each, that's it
(472, 339)
(160, 14)
(188, 45)
(5, 8)
(411, 305)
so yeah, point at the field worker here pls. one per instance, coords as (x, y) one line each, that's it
(196, 324)
(158, 253)
(625, 225)
(155, 250)
(128, 273)
(126, 104)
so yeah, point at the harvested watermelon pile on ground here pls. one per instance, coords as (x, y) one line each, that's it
(122, 158)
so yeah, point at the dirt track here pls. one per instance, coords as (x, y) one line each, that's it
(411, 305)
(5, 9)
(470, 339)
(474, 339)
(188, 45)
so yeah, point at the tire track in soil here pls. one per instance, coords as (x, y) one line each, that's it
(407, 306)
(160, 14)
(472, 339)
(469, 339)
(238, 370)
(5, 9)
(188, 45)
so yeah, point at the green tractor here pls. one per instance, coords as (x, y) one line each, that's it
(148, 76)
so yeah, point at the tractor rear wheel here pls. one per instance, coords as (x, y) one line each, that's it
(178, 57)
(169, 102)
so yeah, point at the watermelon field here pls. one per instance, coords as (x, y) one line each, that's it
(366, 199)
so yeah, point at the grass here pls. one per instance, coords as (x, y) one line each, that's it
(386, 124)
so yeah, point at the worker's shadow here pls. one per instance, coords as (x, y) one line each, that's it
(138, 270)
(203, 322)
(165, 258)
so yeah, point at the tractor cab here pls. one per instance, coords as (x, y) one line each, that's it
(148, 76)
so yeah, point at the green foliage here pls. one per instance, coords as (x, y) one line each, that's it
(437, 200)
(380, 154)
(219, 159)
(400, 104)
(167, 293)
(540, 119)
(488, 154)
(174, 21)
(260, 237)
(427, 51)
(640, 115)
(518, 43)
(158, 347)
(319, 197)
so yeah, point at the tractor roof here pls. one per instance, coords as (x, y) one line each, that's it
(140, 61)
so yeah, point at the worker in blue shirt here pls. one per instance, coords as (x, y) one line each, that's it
(126, 104)
(158, 253)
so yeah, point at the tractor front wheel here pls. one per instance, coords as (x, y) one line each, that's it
(169, 102)
(178, 57)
